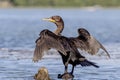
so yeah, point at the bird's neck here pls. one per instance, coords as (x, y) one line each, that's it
(59, 29)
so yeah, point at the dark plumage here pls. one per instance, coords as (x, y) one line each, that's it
(93, 45)
(65, 47)
(83, 41)
(47, 41)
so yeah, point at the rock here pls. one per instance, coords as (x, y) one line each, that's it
(42, 74)
(66, 76)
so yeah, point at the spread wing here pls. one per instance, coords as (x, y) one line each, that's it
(80, 44)
(94, 46)
(46, 42)
(91, 46)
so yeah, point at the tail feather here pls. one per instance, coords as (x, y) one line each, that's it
(88, 63)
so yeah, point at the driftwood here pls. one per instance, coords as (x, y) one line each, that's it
(42, 74)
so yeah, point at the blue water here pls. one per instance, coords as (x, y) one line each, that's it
(20, 27)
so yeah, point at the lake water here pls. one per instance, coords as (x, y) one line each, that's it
(19, 28)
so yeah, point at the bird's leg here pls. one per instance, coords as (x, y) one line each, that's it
(66, 67)
(70, 75)
(67, 75)
(65, 72)
(66, 63)
(72, 70)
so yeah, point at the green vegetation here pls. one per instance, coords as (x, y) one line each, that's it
(66, 3)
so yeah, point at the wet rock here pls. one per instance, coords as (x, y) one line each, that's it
(42, 74)
(66, 76)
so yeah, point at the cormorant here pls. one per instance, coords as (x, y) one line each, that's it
(64, 45)
(83, 41)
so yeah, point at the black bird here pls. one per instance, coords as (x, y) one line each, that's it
(64, 45)
(83, 41)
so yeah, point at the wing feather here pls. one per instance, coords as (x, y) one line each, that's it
(95, 45)
(80, 44)
(46, 42)
(100, 46)
(91, 46)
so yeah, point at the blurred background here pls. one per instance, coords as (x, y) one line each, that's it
(60, 3)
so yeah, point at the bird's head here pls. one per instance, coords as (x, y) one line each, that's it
(55, 19)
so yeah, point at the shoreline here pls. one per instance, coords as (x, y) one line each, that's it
(49, 7)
